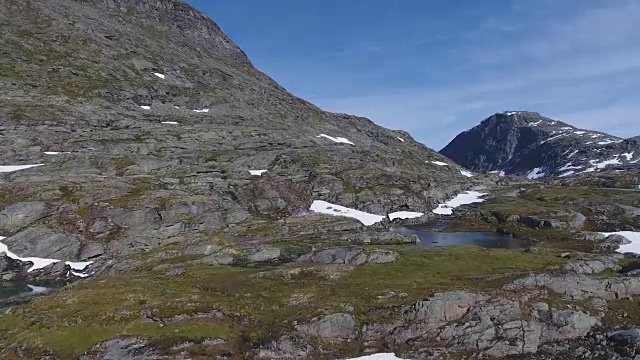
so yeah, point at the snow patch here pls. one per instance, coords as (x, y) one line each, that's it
(11, 168)
(535, 173)
(201, 111)
(78, 266)
(466, 173)
(510, 113)
(467, 197)
(535, 123)
(401, 139)
(405, 215)
(497, 172)
(79, 274)
(573, 153)
(552, 138)
(605, 163)
(629, 156)
(161, 76)
(579, 132)
(566, 128)
(571, 172)
(56, 152)
(440, 163)
(323, 207)
(336, 139)
(39, 263)
(381, 356)
(608, 141)
(569, 166)
(633, 236)
(38, 289)
(170, 122)
(257, 172)
(145, 107)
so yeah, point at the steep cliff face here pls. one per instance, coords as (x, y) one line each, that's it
(530, 144)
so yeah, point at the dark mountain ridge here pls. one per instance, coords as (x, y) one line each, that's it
(527, 143)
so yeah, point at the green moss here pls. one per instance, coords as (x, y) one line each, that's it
(132, 198)
(120, 165)
(265, 297)
(622, 312)
(112, 235)
(71, 193)
(293, 250)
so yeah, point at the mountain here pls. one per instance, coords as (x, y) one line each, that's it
(636, 138)
(160, 198)
(527, 143)
(153, 92)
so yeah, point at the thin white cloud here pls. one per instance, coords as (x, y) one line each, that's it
(581, 68)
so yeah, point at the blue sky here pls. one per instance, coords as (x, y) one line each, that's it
(438, 67)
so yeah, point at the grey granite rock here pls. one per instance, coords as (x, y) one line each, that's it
(382, 256)
(123, 348)
(334, 326)
(264, 254)
(44, 243)
(21, 214)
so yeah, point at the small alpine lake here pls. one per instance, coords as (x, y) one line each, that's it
(15, 290)
(489, 240)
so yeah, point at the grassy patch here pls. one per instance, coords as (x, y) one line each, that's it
(120, 165)
(74, 318)
(71, 193)
(131, 198)
(622, 312)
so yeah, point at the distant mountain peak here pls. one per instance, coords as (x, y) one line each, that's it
(528, 143)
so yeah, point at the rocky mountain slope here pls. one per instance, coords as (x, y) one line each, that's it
(160, 198)
(527, 143)
(145, 115)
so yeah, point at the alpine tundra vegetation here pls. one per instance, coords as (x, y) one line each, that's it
(161, 198)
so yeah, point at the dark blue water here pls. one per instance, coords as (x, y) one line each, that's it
(487, 240)
(18, 290)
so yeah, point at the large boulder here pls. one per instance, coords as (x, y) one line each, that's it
(335, 326)
(263, 254)
(382, 257)
(21, 214)
(628, 337)
(91, 251)
(123, 348)
(594, 264)
(442, 307)
(11, 268)
(44, 243)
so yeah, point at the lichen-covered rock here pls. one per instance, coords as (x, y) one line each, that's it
(334, 326)
(579, 287)
(11, 269)
(264, 253)
(21, 214)
(594, 264)
(382, 256)
(123, 348)
(44, 243)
